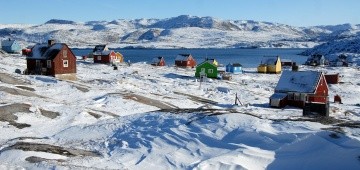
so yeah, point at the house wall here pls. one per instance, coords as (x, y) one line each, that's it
(321, 92)
(274, 68)
(282, 103)
(207, 67)
(161, 63)
(58, 64)
(262, 68)
(332, 78)
(105, 58)
(189, 63)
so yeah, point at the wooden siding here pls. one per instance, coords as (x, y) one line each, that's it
(189, 63)
(105, 58)
(57, 65)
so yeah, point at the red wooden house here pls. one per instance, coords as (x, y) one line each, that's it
(332, 78)
(297, 88)
(102, 54)
(158, 61)
(185, 60)
(53, 59)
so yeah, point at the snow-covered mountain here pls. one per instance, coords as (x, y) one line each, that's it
(178, 32)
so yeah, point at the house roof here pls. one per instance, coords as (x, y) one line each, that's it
(182, 57)
(107, 52)
(99, 48)
(278, 96)
(207, 61)
(269, 60)
(298, 81)
(286, 60)
(235, 64)
(7, 43)
(43, 51)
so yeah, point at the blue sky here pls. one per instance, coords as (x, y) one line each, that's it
(292, 12)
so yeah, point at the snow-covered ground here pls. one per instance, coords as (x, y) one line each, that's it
(146, 117)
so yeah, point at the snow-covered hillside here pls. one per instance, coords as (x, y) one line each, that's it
(146, 117)
(178, 32)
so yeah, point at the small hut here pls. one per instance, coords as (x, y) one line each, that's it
(317, 60)
(270, 64)
(158, 61)
(185, 60)
(206, 68)
(10, 46)
(234, 68)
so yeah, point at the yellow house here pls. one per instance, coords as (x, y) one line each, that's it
(119, 57)
(212, 61)
(270, 64)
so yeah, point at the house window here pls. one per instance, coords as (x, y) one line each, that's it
(65, 63)
(303, 97)
(37, 63)
(98, 57)
(211, 70)
(290, 96)
(203, 70)
(48, 63)
(296, 96)
(65, 53)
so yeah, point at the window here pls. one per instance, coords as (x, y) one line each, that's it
(65, 53)
(290, 96)
(48, 63)
(65, 63)
(296, 96)
(303, 97)
(98, 57)
(37, 63)
(210, 70)
(203, 70)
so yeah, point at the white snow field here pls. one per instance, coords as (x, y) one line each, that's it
(146, 117)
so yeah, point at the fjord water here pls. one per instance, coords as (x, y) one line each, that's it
(246, 57)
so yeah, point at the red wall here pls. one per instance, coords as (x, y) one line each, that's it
(189, 63)
(321, 92)
(104, 58)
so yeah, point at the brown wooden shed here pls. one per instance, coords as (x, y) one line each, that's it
(332, 78)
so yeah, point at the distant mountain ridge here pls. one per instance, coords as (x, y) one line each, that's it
(183, 31)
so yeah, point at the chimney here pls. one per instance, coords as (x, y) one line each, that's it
(51, 42)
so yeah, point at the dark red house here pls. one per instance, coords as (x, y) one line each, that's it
(53, 59)
(158, 61)
(185, 60)
(297, 88)
(102, 54)
(332, 78)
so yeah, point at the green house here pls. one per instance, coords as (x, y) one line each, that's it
(207, 68)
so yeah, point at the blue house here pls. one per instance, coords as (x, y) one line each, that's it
(234, 68)
(10, 46)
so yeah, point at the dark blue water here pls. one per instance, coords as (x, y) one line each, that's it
(246, 57)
